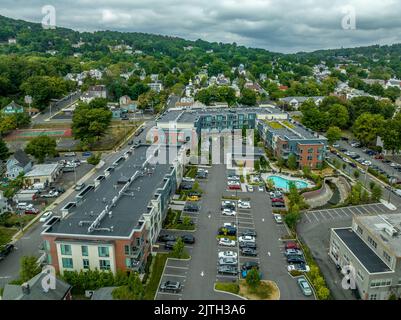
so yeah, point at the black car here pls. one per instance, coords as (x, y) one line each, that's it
(186, 186)
(172, 286)
(6, 250)
(248, 265)
(250, 233)
(167, 238)
(228, 206)
(278, 205)
(194, 194)
(231, 270)
(251, 245)
(295, 259)
(169, 245)
(188, 238)
(249, 252)
(190, 207)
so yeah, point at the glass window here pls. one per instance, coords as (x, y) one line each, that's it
(104, 252)
(104, 264)
(85, 263)
(84, 250)
(67, 263)
(66, 249)
(128, 262)
(127, 250)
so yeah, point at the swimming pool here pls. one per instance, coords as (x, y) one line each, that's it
(283, 183)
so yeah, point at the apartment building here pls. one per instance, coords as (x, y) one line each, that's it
(372, 247)
(288, 137)
(114, 221)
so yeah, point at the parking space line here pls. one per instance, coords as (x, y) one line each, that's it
(380, 207)
(329, 213)
(313, 214)
(174, 267)
(170, 293)
(361, 210)
(306, 215)
(173, 275)
(225, 276)
(345, 212)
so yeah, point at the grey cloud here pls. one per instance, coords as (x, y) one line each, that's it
(277, 25)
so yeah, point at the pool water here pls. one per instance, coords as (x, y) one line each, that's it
(283, 183)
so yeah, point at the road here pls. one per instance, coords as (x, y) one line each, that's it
(31, 241)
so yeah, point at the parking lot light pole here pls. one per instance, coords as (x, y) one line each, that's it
(366, 175)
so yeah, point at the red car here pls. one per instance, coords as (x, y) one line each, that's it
(291, 245)
(234, 187)
(31, 211)
(278, 200)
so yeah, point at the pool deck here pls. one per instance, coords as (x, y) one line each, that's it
(288, 178)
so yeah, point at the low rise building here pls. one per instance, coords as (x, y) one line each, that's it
(98, 91)
(43, 173)
(12, 108)
(114, 222)
(287, 138)
(296, 102)
(17, 163)
(371, 251)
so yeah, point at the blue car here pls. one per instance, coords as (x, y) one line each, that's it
(245, 272)
(86, 154)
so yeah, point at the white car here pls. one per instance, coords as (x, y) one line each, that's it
(228, 212)
(188, 179)
(229, 224)
(247, 239)
(303, 268)
(228, 261)
(250, 188)
(278, 218)
(336, 145)
(227, 242)
(228, 254)
(261, 188)
(227, 203)
(244, 204)
(46, 216)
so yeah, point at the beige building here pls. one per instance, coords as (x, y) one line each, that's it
(43, 173)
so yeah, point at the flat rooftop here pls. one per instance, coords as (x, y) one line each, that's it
(128, 208)
(362, 251)
(42, 170)
(377, 224)
(192, 115)
(292, 130)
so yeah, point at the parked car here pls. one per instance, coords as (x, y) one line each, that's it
(249, 252)
(248, 265)
(250, 188)
(251, 245)
(188, 238)
(302, 267)
(194, 194)
(293, 252)
(295, 259)
(244, 204)
(191, 208)
(228, 212)
(278, 218)
(169, 245)
(6, 250)
(227, 242)
(278, 204)
(228, 261)
(230, 270)
(261, 188)
(305, 287)
(172, 286)
(46, 216)
(250, 233)
(51, 194)
(167, 238)
(79, 186)
(227, 231)
(31, 211)
(193, 198)
(291, 245)
(227, 254)
(247, 239)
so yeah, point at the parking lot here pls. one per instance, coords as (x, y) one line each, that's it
(199, 274)
(317, 216)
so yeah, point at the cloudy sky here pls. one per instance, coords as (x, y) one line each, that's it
(277, 25)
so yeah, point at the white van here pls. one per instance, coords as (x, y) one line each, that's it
(397, 192)
(24, 205)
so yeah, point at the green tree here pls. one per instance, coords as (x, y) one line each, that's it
(41, 147)
(94, 159)
(333, 134)
(292, 162)
(178, 249)
(367, 127)
(338, 116)
(356, 174)
(292, 217)
(248, 97)
(376, 193)
(253, 278)
(4, 152)
(29, 268)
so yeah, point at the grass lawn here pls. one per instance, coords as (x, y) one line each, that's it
(227, 286)
(6, 234)
(228, 237)
(267, 290)
(274, 125)
(156, 271)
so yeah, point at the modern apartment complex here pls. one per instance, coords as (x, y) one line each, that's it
(113, 222)
(372, 247)
(288, 137)
(181, 126)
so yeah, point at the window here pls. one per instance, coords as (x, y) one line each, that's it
(67, 263)
(310, 150)
(103, 252)
(104, 264)
(359, 230)
(373, 297)
(359, 274)
(372, 242)
(380, 283)
(386, 256)
(66, 249)
(84, 250)
(85, 263)
(127, 250)
(310, 157)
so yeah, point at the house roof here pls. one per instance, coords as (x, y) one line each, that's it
(22, 158)
(36, 292)
(42, 170)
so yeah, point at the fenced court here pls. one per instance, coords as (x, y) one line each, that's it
(27, 134)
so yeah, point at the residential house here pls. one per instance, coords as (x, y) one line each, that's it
(127, 104)
(393, 83)
(156, 86)
(17, 163)
(33, 290)
(4, 206)
(296, 102)
(98, 91)
(12, 41)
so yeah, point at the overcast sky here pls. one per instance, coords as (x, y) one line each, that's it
(276, 25)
